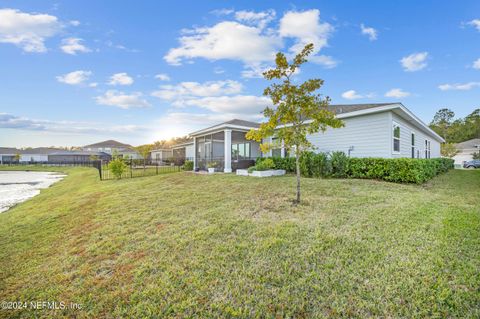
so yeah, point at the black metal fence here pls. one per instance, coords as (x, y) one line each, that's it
(133, 168)
(136, 168)
(51, 163)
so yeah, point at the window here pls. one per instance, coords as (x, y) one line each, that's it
(427, 149)
(241, 151)
(413, 145)
(276, 152)
(396, 138)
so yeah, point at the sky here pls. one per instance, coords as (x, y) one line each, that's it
(77, 72)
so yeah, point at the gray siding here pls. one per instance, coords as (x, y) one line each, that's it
(406, 130)
(368, 134)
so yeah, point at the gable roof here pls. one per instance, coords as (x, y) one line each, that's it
(109, 143)
(235, 123)
(346, 108)
(470, 144)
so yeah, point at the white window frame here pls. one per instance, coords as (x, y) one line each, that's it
(394, 125)
(413, 148)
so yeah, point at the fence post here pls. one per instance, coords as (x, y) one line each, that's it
(131, 172)
(157, 166)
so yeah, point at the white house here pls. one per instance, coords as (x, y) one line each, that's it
(112, 147)
(465, 150)
(387, 130)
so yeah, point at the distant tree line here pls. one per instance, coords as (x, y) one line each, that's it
(456, 130)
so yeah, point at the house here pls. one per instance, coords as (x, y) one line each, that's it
(177, 154)
(28, 155)
(112, 147)
(48, 155)
(465, 150)
(387, 130)
(161, 155)
(72, 157)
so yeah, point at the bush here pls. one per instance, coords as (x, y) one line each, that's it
(188, 166)
(286, 163)
(339, 162)
(265, 165)
(399, 170)
(117, 167)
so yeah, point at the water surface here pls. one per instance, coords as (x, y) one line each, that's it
(18, 186)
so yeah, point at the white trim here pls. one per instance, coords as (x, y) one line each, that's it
(395, 124)
(413, 145)
(220, 128)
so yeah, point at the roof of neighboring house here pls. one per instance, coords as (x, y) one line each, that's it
(79, 153)
(470, 144)
(235, 123)
(29, 151)
(346, 108)
(109, 143)
(179, 145)
(9, 150)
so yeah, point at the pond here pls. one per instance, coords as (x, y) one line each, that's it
(18, 186)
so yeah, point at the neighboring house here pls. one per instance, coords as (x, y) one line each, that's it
(76, 156)
(162, 155)
(177, 154)
(184, 151)
(465, 150)
(112, 147)
(387, 130)
(7, 155)
(48, 155)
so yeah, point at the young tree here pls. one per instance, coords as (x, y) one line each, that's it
(144, 151)
(297, 110)
(476, 155)
(448, 150)
(442, 121)
(17, 157)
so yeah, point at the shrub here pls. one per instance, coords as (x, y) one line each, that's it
(188, 166)
(322, 166)
(286, 163)
(265, 165)
(339, 163)
(117, 167)
(306, 164)
(399, 170)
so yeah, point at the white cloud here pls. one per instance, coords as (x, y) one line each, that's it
(459, 86)
(183, 123)
(475, 23)
(476, 64)
(75, 77)
(397, 93)
(162, 77)
(369, 31)
(249, 41)
(27, 31)
(120, 79)
(185, 90)
(353, 95)
(326, 61)
(414, 62)
(73, 46)
(75, 23)
(122, 100)
(239, 104)
(225, 40)
(306, 28)
(23, 123)
(260, 19)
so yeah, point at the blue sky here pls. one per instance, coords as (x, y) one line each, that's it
(76, 72)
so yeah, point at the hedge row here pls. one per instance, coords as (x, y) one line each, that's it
(337, 164)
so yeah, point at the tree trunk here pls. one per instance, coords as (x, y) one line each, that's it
(297, 162)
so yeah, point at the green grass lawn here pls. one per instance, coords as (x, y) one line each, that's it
(185, 245)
